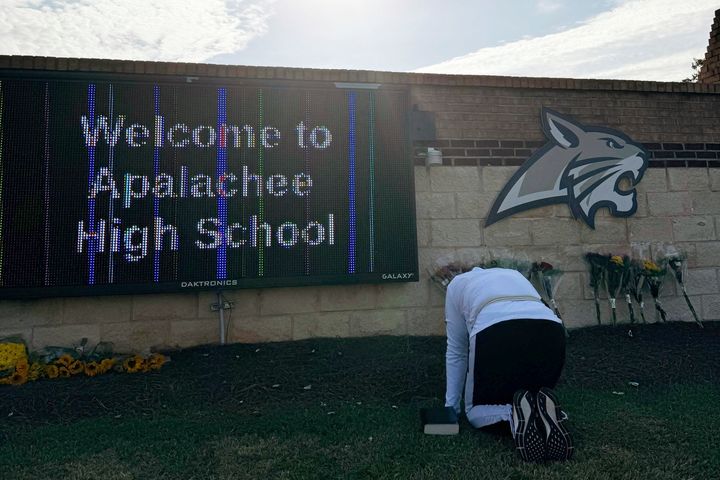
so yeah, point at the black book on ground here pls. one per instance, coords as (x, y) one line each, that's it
(439, 421)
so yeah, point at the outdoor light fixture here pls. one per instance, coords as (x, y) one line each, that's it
(433, 157)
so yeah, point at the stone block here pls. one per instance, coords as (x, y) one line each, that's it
(668, 204)
(179, 306)
(378, 322)
(495, 178)
(455, 179)
(129, 337)
(422, 179)
(580, 313)
(556, 231)
(701, 281)
(412, 294)
(688, 179)
(245, 302)
(562, 211)
(430, 258)
(281, 301)
(261, 329)
(19, 314)
(654, 180)
(423, 233)
(456, 233)
(572, 257)
(435, 205)
(473, 204)
(707, 254)
(643, 209)
(539, 212)
(114, 309)
(693, 229)
(326, 324)
(348, 297)
(570, 286)
(188, 333)
(650, 229)
(65, 335)
(705, 203)
(711, 307)
(509, 232)
(426, 321)
(678, 310)
(607, 230)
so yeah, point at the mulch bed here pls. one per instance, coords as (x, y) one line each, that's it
(254, 378)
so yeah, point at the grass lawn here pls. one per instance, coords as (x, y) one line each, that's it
(348, 408)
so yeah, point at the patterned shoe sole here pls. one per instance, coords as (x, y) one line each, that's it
(559, 445)
(529, 440)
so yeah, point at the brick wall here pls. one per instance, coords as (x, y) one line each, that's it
(710, 71)
(486, 127)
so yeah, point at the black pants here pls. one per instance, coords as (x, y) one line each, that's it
(516, 354)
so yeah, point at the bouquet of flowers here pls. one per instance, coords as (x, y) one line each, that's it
(598, 264)
(443, 275)
(628, 286)
(677, 265)
(18, 367)
(548, 278)
(613, 281)
(654, 275)
(635, 286)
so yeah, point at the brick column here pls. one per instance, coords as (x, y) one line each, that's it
(710, 71)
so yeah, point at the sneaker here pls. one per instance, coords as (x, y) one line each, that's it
(558, 441)
(529, 439)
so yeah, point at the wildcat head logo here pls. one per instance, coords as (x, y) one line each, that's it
(581, 166)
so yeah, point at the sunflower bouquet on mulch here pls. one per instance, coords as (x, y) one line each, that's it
(678, 266)
(597, 263)
(17, 366)
(613, 282)
(654, 275)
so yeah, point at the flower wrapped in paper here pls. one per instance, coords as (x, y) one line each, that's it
(678, 265)
(597, 264)
(654, 276)
(614, 275)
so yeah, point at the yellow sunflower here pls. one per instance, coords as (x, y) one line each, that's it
(617, 259)
(63, 372)
(52, 371)
(106, 364)
(156, 361)
(76, 367)
(92, 369)
(650, 266)
(64, 360)
(133, 364)
(18, 378)
(36, 371)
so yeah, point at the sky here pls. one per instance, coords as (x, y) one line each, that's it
(620, 39)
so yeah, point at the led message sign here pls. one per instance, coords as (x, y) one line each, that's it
(131, 185)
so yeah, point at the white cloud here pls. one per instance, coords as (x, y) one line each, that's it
(548, 6)
(636, 39)
(187, 30)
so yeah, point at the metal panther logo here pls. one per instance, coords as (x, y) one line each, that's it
(581, 166)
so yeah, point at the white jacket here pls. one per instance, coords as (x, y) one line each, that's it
(475, 301)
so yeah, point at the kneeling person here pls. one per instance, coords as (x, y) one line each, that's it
(507, 349)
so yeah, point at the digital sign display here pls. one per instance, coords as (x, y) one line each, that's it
(131, 184)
